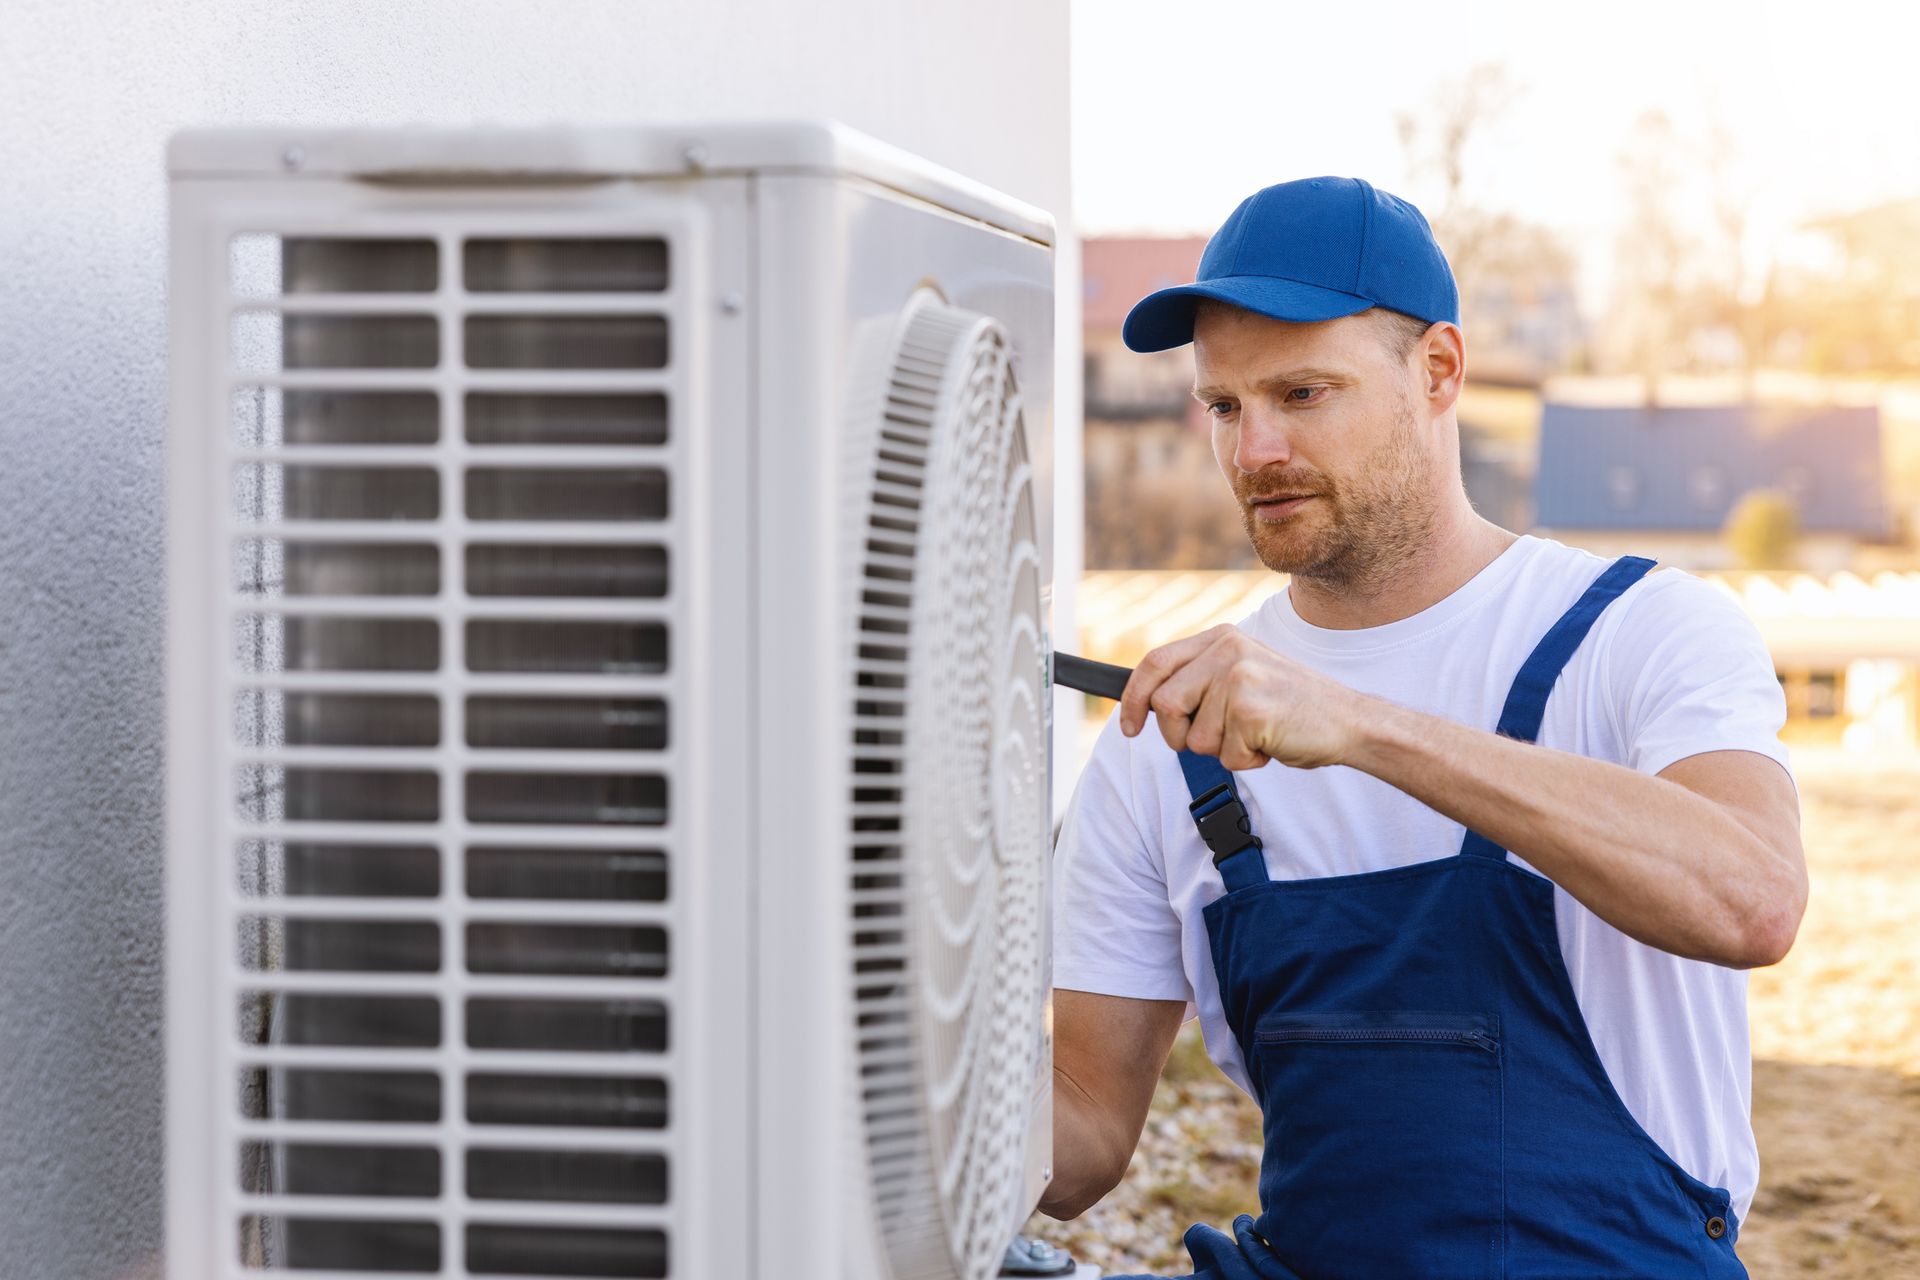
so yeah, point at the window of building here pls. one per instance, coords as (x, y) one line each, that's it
(1812, 695)
(1623, 486)
(1708, 487)
(1823, 695)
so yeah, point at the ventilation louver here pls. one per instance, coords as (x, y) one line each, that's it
(453, 693)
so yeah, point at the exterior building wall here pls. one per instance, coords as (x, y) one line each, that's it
(92, 92)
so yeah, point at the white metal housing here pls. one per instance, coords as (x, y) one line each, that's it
(607, 704)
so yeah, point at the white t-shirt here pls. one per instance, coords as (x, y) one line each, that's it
(1671, 669)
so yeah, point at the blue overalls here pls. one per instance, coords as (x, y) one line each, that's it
(1434, 1108)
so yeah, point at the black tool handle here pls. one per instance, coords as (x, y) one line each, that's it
(1102, 679)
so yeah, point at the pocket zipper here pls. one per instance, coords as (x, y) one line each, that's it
(1478, 1039)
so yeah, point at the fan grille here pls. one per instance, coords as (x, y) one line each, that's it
(948, 797)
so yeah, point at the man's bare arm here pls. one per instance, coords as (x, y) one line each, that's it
(1108, 1052)
(1703, 861)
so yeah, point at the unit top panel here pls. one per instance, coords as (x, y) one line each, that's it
(592, 153)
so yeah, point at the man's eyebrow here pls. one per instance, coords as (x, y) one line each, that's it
(1274, 382)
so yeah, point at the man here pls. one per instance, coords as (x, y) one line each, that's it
(1504, 824)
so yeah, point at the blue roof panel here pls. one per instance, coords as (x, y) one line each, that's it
(1685, 467)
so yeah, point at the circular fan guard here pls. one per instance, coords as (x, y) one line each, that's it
(949, 791)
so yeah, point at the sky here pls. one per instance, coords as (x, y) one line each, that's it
(1181, 110)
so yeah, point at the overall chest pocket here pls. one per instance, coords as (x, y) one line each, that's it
(1383, 1142)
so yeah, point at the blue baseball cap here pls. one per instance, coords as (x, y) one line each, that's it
(1310, 250)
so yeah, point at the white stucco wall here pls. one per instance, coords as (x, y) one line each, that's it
(89, 92)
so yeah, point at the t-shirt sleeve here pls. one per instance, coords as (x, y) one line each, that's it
(1115, 931)
(1688, 673)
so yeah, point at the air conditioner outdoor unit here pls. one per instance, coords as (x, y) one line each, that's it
(608, 706)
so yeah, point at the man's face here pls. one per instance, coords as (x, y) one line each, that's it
(1317, 429)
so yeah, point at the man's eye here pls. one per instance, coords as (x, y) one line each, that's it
(1220, 408)
(1301, 395)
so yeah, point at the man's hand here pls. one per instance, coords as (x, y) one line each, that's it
(1223, 693)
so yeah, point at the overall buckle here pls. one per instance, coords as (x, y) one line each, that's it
(1227, 829)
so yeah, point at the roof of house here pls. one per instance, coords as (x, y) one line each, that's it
(1685, 467)
(1118, 271)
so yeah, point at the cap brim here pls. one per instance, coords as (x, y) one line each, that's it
(1164, 319)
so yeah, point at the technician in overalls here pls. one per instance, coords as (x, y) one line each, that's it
(1458, 846)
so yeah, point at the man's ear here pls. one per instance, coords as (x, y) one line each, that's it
(1443, 356)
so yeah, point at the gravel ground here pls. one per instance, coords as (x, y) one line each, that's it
(1836, 1039)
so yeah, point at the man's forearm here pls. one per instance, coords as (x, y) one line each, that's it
(1083, 1152)
(1659, 862)
(1107, 1056)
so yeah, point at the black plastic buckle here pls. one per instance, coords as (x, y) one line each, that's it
(1228, 829)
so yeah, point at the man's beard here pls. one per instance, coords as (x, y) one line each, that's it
(1370, 526)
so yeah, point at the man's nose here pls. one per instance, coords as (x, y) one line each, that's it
(1263, 439)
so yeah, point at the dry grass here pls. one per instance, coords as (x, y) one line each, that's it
(1836, 1040)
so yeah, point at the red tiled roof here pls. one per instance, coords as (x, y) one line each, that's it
(1117, 272)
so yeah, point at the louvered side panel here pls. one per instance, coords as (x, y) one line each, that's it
(449, 732)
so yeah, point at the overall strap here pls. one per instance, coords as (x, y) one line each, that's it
(1527, 700)
(1223, 821)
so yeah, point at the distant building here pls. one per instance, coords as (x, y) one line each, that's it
(1518, 333)
(1155, 498)
(1115, 273)
(1497, 473)
(1661, 481)
(1847, 651)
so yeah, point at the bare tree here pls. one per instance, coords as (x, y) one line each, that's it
(1503, 264)
(1437, 136)
(1734, 302)
(1653, 252)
